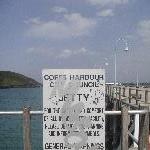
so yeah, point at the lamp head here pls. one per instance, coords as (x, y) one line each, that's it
(126, 48)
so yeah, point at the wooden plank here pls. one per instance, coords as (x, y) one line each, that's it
(26, 129)
(124, 119)
(144, 129)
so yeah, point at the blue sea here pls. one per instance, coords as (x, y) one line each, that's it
(11, 131)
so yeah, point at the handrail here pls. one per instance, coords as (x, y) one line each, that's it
(39, 112)
(132, 112)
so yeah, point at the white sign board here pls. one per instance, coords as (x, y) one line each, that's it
(73, 105)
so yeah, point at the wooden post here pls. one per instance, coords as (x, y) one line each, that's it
(110, 90)
(114, 127)
(146, 96)
(107, 89)
(143, 143)
(124, 119)
(119, 93)
(129, 95)
(137, 95)
(124, 93)
(113, 93)
(26, 129)
(119, 103)
(116, 92)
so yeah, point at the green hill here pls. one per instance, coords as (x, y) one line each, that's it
(14, 80)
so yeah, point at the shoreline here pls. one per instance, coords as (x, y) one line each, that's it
(22, 86)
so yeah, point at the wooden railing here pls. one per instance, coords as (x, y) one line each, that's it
(126, 97)
(132, 94)
(130, 98)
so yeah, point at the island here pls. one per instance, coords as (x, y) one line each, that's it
(10, 79)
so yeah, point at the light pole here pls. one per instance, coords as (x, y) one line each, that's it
(126, 49)
(115, 144)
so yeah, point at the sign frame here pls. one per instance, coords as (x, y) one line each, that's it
(73, 105)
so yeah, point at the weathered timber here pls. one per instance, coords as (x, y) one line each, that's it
(124, 120)
(26, 129)
(144, 129)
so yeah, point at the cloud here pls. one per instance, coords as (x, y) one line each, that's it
(35, 21)
(30, 50)
(68, 53)
(103, 3)
(40, 51)
(58, 9)
(109, 6)
(65, 53)
(106, 13)
(143, 30)
(56, 53)
(71, 25)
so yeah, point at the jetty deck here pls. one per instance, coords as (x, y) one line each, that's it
(134, 128)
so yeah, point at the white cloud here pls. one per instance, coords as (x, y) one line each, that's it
(40, 51)
(72, 25)
(35, 21)
(106, 13)
(81, 51)
(109, 6)
(67, 52)
(107, 2)
(58, 9)
(30, 50)
(143, 31)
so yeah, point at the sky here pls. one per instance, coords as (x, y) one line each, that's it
(76, 34)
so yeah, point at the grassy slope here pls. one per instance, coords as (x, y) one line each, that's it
(12, 79)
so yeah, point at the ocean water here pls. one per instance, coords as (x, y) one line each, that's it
(11, 131)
